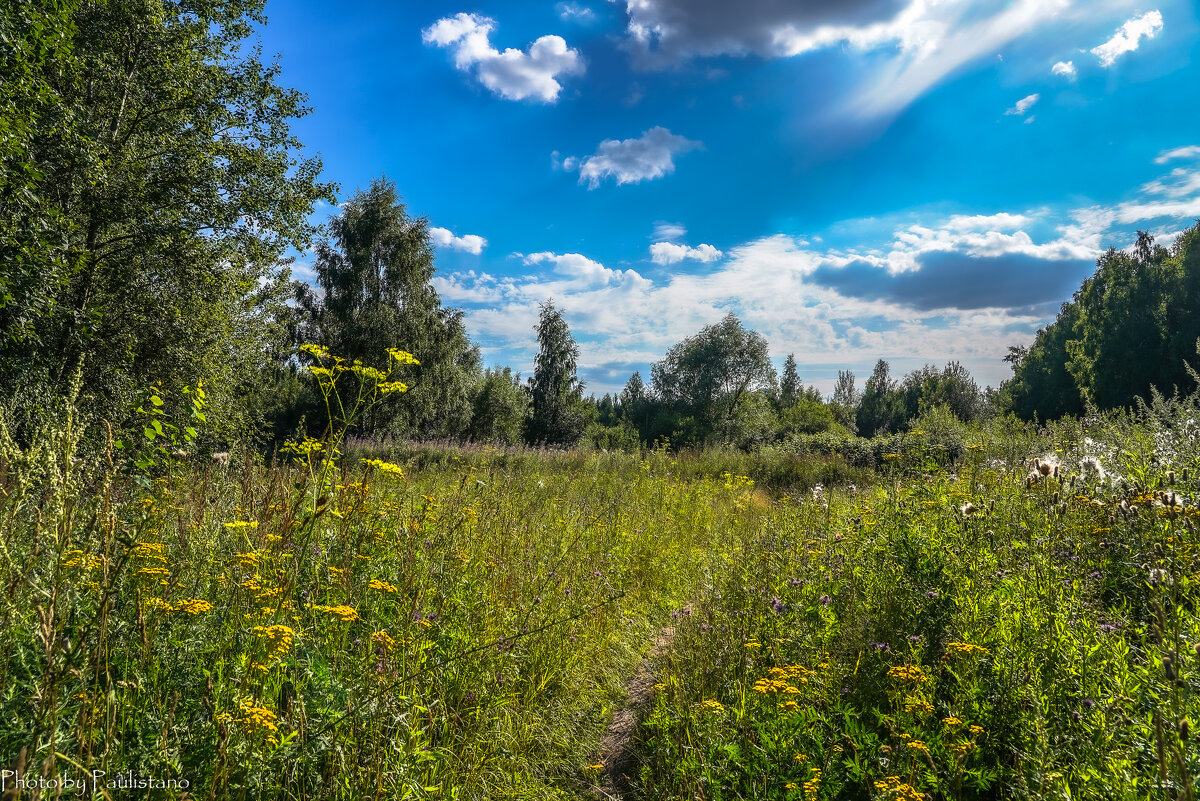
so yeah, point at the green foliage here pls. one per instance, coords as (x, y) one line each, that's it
(976, 634)
(707, 375)
(499, 408)
(1131, 328)
(163, 185)
(375, 271)
(881, 408)
(555, 391)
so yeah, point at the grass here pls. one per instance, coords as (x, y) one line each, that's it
(460, 622)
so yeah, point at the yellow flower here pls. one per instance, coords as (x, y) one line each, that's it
(965, 649)
(278, 639)
(256, 720)
(952, 721)
(908, 673)
(386, 467)
(713, 706)
(194, 606)
(154, 571)
(402, 356)
(344, 613)
(241, 525)
(381, 586)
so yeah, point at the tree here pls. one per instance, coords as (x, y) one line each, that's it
(789, 384)
(557, 416)
(376, 270)
(706, 375)
(499, 408)
(166, 185)
(844, 401)
(881, 408)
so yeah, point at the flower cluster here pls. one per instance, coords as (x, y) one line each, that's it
(895, 790)
(256, 720)
(278, 639)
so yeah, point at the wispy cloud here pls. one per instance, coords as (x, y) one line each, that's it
(512, 74)
(1128, 37)
(1024, 104)
(630, 161)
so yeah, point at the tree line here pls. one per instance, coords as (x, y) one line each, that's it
(153, 186)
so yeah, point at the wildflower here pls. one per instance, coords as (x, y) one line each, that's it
(952, 721)
(381, 586)
(344, 613)
(1157, 576)
(753, 644)
(893, 788)
(968, 509)
(907, 673)
(194, 606)
(278, 639)
(713, 706)
(975, 729)
(242, 525)
(384, 640)
(401, 356)
(386, 467)
(153, 571)
(918, 705)
(256, 720)
(825, 600)
(964, 648)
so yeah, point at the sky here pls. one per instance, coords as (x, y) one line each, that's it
(913, 180)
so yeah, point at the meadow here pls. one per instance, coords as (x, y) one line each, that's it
(356, 621)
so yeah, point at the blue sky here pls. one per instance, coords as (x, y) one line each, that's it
(914, 180)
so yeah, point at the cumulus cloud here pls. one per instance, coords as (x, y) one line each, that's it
(1066, 69)
(1024, 104)
(672, 253)
(630, 161)
(1128, 37)
(958, 286)
(468, 243)
(512, 74)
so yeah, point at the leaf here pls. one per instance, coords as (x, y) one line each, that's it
(149, 432)
(157, 401)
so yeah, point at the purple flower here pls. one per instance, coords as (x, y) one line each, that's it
(1095, 574)
(1107, 628)
(932, 594)
(778, 605)
(1087, 703)
(825, 600)
(914, 638)
(880, 646)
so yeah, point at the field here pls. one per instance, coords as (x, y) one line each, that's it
(415, 622)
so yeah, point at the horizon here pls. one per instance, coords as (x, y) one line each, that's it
(859, 181)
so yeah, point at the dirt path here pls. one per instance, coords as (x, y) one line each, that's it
(616, 750)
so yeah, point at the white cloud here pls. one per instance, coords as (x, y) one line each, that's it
(1066, 69)
(671, 253)
(1128, 37)
(468, 243)
(911, 297)
(512, 74)
(1024, 104)
(667, 231)
(630, 161)
(1189, 152)
(574, 12)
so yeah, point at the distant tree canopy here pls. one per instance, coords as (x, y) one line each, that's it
(1131, 327)
(707, 375)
